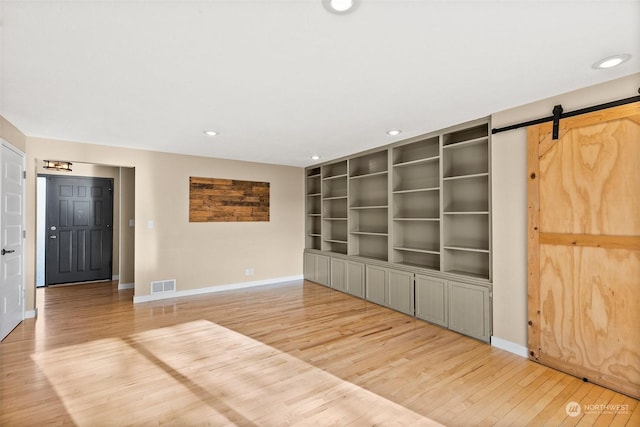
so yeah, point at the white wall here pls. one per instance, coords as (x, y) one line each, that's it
(509, 203)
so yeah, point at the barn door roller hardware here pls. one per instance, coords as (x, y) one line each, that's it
(558, 114)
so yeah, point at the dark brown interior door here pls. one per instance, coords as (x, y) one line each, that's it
(78, 229)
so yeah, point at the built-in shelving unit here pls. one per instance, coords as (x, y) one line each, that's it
(369, 206)
(412, 219)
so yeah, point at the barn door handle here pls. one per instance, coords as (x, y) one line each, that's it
(4, 251)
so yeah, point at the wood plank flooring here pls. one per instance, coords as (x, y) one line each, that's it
(292, 354)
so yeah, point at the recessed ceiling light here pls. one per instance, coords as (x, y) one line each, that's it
(210, 132)
(315, 157)
(611, 61)
(394, 132)
(340, 6)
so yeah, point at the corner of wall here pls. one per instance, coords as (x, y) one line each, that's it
(12, 134)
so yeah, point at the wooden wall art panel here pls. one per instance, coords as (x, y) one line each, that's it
(227, 200)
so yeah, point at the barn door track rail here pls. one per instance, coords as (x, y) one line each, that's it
(559, 114)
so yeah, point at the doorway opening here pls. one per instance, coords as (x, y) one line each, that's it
(83, 254)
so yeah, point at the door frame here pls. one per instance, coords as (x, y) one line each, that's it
(112, 191)
(8, 145)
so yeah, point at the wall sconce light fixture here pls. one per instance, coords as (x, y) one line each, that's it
(57, 165)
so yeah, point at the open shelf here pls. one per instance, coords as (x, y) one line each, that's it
(466, 195)
(313, 242)
(467, 159)
(421, 251)
(313, 172)
(314, 225)
(369, 221)
(468, 134)
(417, 190)
(313, 205)
(334, 187)
(334, 234)
(369, 175)
(416, 259)
(473, 264)
(313, 186)
(369, 207)
(336, 246)
(369, 246)
(416, 205)
(369, 164)
(417, 162)
(372, 191)
(466, 232)
(416, 177)
(416, 152)
(333, 170)
(417, 236)
(334, 208)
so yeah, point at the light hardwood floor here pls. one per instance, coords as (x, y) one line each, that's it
(293, 354)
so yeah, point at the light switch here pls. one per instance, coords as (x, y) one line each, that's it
(132, 223)
(149, 223)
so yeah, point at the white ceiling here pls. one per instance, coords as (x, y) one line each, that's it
(284, 79)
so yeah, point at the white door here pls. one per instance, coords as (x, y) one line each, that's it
(11, 240)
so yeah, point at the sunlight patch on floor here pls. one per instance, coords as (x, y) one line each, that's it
(202, 373)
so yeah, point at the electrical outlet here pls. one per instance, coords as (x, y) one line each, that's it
(249, 271)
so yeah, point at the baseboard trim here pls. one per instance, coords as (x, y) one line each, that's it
(30, 314)
(122, 286)
(509, 346)
(219, 288)
(115, 277)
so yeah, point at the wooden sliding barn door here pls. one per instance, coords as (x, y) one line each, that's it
(584, 247)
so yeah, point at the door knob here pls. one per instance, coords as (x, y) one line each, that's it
(4, 251)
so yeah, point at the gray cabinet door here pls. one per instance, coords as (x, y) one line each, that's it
(376, 283)
(469, 310)
(431, 300)
(355, 278)
(400, 291)
(310, 266)
(317, 268)
(323, 268)
(339, 274)
(389, 287)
